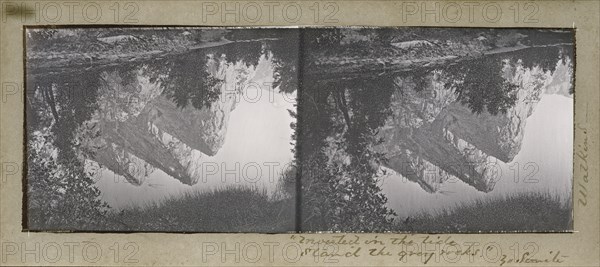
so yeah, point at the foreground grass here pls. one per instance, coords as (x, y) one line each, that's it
(231, 209)
(539, 212)
(242, 209)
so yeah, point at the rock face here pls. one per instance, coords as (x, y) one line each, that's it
(136, 137)
(431, 137)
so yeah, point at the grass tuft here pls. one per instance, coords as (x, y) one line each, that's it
(227, 209)
(523, 212)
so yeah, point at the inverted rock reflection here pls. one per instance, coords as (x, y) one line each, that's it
(431, 137)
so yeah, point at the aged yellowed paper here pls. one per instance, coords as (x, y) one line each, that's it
(149, 132)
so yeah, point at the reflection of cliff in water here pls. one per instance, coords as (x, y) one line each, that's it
(433, 136)
(166, 114)
(459, 120)
(167, 135)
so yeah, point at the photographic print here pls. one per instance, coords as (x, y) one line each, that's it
(436, 130)
(161, 129)
(338, 133)
(188, 129)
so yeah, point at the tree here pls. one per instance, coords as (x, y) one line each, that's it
(284, 55)
(479, 84)
(246, 52)
(338, 163)
(322, 39)
(189, 82)
(61, 195)
(544, 57)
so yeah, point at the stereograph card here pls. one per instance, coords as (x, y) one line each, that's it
(299, 133)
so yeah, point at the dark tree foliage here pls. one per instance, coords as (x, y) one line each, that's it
(293, 126)
(60, 193)
(421, 78)
(385, 35)
(70, 99)
(247, 52)
(286, 78)
(288, 178)
(339, 189)
(285, 54)
(565, 54)
(189, 82)
(342, 119)
(77, 99)
(546, 58)
(322, 39)
(479, 85)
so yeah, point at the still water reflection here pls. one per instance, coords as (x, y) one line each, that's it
(443, 136)
(542, 121)
(207, 119)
